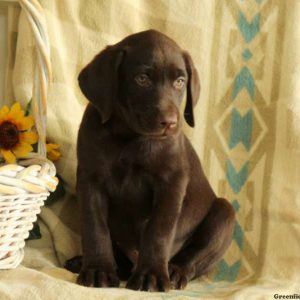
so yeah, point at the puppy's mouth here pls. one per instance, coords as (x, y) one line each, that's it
(152, 133)
(162, 134)
(155, 136)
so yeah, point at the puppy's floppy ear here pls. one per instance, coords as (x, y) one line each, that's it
(98, 81)
(193, 89)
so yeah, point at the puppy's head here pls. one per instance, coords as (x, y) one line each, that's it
(143, 79)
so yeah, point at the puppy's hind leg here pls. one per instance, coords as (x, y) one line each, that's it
(206, 246)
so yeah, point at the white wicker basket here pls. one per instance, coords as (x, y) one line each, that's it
(25, 186)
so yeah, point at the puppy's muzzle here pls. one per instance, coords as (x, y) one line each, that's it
(168, 123)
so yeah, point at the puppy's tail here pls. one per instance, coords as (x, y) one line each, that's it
(74, 264)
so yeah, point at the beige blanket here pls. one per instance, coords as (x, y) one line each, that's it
(247, 134)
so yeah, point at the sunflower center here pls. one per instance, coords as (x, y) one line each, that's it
(9, 135)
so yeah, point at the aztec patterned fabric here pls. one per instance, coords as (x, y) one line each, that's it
(247, 134)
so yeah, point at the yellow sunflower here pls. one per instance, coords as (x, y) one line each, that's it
(15, 139)
(52, 151)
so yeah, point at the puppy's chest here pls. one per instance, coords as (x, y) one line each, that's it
(132, 170)
(130, 185)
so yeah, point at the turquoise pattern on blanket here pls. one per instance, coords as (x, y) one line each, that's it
(236, 179)
(238, 235)
(228, 272)
(240, 132)
(247, 54)
(244, 80)
(249, 30)
(241, 129)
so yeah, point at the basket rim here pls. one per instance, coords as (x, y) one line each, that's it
(31, 195)
(33, 175)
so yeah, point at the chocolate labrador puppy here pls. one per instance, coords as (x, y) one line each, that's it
(149, 214)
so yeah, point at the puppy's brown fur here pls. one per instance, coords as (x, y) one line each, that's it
(149, 214)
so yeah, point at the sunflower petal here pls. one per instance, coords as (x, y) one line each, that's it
(29, 137)
(3, 112)
(22, 149)
(8, 156)
(25, 123)
(16, 112)
(53, 155)
(51, 146)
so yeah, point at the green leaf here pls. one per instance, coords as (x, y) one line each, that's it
(35, 147)
(28, 108)
(35, 233)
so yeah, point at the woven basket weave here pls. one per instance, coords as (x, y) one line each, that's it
(25, 186)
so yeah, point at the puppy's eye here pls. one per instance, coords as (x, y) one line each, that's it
(179, 83)
(143, 80)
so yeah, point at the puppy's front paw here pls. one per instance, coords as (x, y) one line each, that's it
(98, 278)
(149, 281)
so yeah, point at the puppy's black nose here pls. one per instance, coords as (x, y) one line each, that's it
(169, 120)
